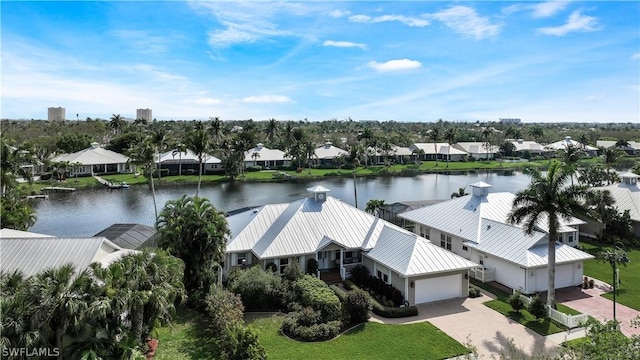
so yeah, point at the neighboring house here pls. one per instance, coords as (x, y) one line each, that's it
(390, 212)
(187, 161)
(478, 150)
(567, 141)
(441, 151)
(475, 227)
(32, 253)
(96, 160)
(327, 153)
(626, 194)
(397, 155)
(633, 147)
(131, 236)
(531, 146)
(267, 158)
(339, 236)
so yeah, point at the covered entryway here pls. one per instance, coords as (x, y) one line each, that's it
(438, 288)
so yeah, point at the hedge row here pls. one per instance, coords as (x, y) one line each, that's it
(386, 311)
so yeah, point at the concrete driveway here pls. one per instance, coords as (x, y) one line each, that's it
(470, 322)
(590, 301)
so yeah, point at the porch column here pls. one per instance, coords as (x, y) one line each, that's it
(406, 289)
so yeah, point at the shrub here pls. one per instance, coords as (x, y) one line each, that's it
(537, 307)
(240, 343)
(348, 284)
(341, 294)
(315, 293)
(585, 282)
(259, 289)
(292, 271)
(271, 267)
(312, 266)
(591, 283)
(516, 302)
(357, 306)
(474, 292)
(223, 308)
(305, 325)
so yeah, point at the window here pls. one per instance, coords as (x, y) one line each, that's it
(242, 258)
(445, 241)
(448, 242)
(385, 278)
(425, 232)
(465, 248)
(379, 274)
(442, 240)
(283, 264)
(570, 238)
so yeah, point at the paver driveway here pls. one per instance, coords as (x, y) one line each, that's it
(469, 321)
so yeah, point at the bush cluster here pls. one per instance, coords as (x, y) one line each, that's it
(259, 290)
(474, 292)
(357, 306)
(223, 308)
(537, 307)
(240, 343)
(385, 293)
(516, 302)
(306, 325)
(313, 292)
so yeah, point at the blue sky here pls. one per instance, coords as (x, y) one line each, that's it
(405, 61)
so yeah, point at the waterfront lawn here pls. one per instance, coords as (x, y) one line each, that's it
(186, 338)
(629, 291)
(366, 341)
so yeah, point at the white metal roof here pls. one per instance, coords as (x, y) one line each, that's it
(476, 147)
(264, 154)
(530, 146)
(11, 233)
(328, 151)
(609, 143)
(410, 255)
(186, 157)
(562, 144)
(93, 155)
(440, 148)
(626, 196)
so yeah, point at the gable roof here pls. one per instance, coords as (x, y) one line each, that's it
(265, 154)
(440, 148)
(174, 157)
(93, 155)
(476, 147)
(627, 197)
(532, 146)
(11, 233)
(130, 236)
(562, 144)
(328, 151)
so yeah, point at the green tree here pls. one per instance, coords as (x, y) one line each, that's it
(159, 138)
(546, 200)
(487, 134)
(373, 205)
(70, 143)
(570, 156)
(199, 142)
(272, 129)
(117, 123)
(450, 135)
(11, 161)
(537, 132)
(216, 131)
(193, 230)
(611, 156)
(143, 155)
(460, 193)
(434, 136)
(17, 213)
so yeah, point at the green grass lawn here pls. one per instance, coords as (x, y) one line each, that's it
(186, 338)
(366, 341)
(629, 290)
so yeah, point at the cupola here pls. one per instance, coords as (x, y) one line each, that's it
(479, 188)
(318, 193)
(629, 178)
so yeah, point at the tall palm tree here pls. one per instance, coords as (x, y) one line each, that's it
(143, 154)
(611, 156)
(272, 129)
(570, 156)
(354, 160)
(11, 161)
(537, 132)
(199, 142)
(310, 152)
(288, 137)
(117, 123)
(216, 130)
(450, 136)
(486, 139)
(546, 200)
(179, 149)
(601, 203)
(434, 135)
(159, 138)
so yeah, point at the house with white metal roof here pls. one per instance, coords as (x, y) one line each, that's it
(439, 151)
(626, 194)
(96, 160)
(339, 236)
(478, 150)
(327, 153)
(475, 227)
(531, 146)
(32, 253)
(187, 162)
(265, 157)
(631, 148)
(568, 141)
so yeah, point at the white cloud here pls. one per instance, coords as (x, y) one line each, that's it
(339, 13)
(394, 65)
(206, 101)
(346, 44)
(407, 20)
(635, 56)
(466, 21)
(143, 42)
(538, 10)
(576, 23)
(265, 99)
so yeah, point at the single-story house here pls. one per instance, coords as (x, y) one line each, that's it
(131, 236)
(326, 154)
(478, 150)
(526, 145)
(439, 151)
(632, 148)
(626, 194)
(96, 160)
(32, 253)
(567, 141)
(475, 227)
(397, 155)
(339, 236)
(390, 212)
(187, 162)
(267, 158)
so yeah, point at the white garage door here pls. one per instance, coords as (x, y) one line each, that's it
(438, 288)
(564, 276)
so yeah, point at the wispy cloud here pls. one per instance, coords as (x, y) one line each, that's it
(266, 99)
(407, 20)
(394, 65)
(142, 41)
(577, 22)
(538, 10)
(339, 13)
(344, 44)
(635, 56)
(465, 21)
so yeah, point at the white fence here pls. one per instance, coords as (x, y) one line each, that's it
(570, 321)
(483, 274)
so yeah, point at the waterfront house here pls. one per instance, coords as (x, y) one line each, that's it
(131, 236)
(475, 227)
(187, 162)
(31, 253)
(339, 236)
(626, 194)
(96, 160)
(439, 151)
(327, 154)
(265, 157)
(568, 141)
(631, 148)
(478, 150)
(520, 146)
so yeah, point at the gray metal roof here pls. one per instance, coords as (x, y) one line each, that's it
(130, 236)
(11, 233)
(627, 197)
(32, 255)
(93, 155)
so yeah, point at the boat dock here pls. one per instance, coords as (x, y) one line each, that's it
(40, 196)
(109, 184)
(57, 189)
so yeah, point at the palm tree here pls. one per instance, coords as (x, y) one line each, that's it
(373, 205)
(272, 129)
(450, 136)
(570, 156)
(461, 192)
(216, 130)
(11, 162)
(198, 141)
(611, 156)
(355, 154)
(546, 200)
(418, 154)
(601, 203)
(143, 155)
(537, 132)
(583, 140)
(159, 139)
(434, 135)
(486, 139)
(310, 152)
(179, 149)
(117, 123)
(288, 138)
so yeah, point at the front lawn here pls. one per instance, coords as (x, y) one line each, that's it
(366, 341)
(629, 290)
(186, 338)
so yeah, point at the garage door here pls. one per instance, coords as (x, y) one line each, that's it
(564, 276)
(438, 288)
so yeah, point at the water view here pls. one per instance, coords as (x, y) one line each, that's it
(86, 212)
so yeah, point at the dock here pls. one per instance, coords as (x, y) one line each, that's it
(40, 196)
(108, 184)
(57, 189)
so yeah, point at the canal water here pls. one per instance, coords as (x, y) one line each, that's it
(87, 212)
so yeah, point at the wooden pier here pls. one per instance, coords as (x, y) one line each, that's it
(57, 189)
(108, 184)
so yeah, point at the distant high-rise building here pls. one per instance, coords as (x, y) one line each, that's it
(56, 114)
(144, 114)
(510, 121)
